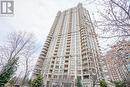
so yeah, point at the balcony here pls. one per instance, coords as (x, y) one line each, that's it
(85, 76)
(85, 64)
(42, 55)
(67, 53)
(66, 61)
(65, 71)
(85, 61)
(50, 71)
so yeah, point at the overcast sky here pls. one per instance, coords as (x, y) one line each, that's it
(36, 16)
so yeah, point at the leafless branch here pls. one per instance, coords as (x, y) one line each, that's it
(19, 44)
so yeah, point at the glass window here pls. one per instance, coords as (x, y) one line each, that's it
(128, 66)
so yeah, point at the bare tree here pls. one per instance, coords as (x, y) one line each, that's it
(116, 17)
(18, 45)
(28, 60)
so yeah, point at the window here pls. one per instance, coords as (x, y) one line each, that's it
(66, 61)
(56, 47)
(66, 56)
(68, 45)
(55, 76)
(56, 50)
(66, 66)
(67, 52)
(53, 57)
(57, 62)
(128, 66)
(51, 71)
(49, 76)
(55, 54)
(52, 62)
(68, 42)
(57, 67)
(56, 71)
(86, 76)
(52, 66)
(58, 41)
(65, 71)
(67, 49)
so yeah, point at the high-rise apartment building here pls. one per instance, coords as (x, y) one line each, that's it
(118, 61)
(70, 51)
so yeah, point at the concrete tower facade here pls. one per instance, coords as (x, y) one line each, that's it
(70, 51)
(118, 61)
